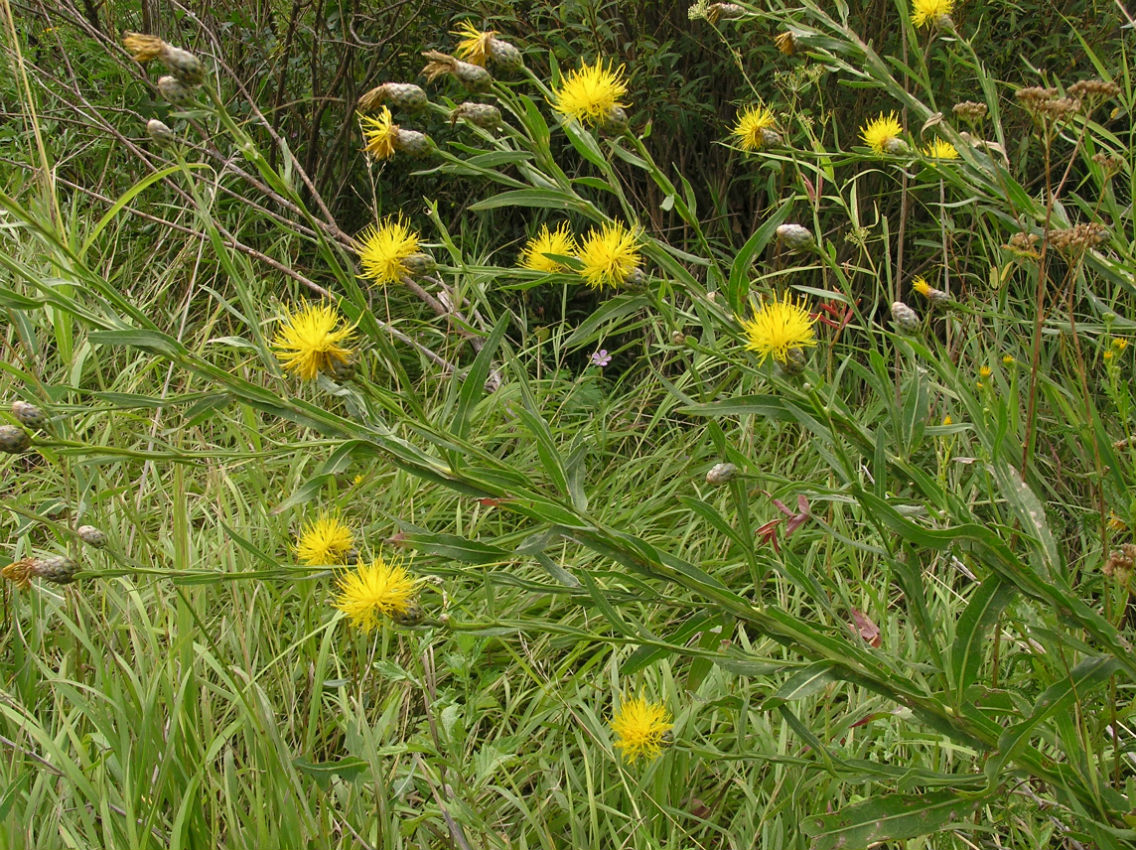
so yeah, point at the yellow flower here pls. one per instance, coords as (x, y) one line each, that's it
(640, 728)
(1115, 523)
(921, 286)
(380, 135)
(474, 45)
(1119, 343)
(1008, 360)
(371, 591)
(385, 249)
(591, 93)
(940, 149)
(308, 342)
(610, 255)
(985, 371)
(144, 47)
(1108, 355)
(324, 540)
(559, 241)
(924, 12)
(752, 128)
(778, 327)
(947, 419)
(881, 134)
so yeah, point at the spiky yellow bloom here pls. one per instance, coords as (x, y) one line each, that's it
(309, 341)
(778, 327)
(385, 249)
(324, 540)
(881, 134)
(640, 728)
(1119, 343)
(752, 128)
(474, 45)
(144, 47)
(380, 134)
(921, 286)
(376, 590)
(940, 149)
(559, 241)
(609, 255)
(590, 93)
(924, 12)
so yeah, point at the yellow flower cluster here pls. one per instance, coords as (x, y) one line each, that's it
(607, 257)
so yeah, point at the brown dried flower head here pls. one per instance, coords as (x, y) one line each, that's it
(970, 111)
(1079, 238)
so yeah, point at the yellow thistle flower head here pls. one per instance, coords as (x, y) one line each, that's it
(778, 327)
(940, 149)
(985, 371)
(385, 249)
(947, 419)
(609, 255)
(881, 134)
(309, 341)
(754, 128)
(380, 134)
(640, 728)
(144, 47)
(475, 46)
(927, 12)
(559, 241)
(591, 93)
(1008, 360)
(376, 590)
(921, 286)
(324, 540)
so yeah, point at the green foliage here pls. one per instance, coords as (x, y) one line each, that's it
(900, 616)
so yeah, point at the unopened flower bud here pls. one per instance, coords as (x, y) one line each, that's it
(28, 414)
(14, 440)
(906, 319)
(159, 132)
(483, 115)
(896, 146)
(505, 54)
(411, 616)
(794, 363)
(795, 237)
(615, 121)
(721, 473)
(401, 95)
(635, 278)
(92, 536)
(58, 569)
(184, 65)
(412, 142)
(419, 263)
(173, 90)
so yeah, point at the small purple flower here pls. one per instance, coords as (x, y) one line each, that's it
(601, 358)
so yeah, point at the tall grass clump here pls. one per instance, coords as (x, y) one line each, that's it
(573, 509)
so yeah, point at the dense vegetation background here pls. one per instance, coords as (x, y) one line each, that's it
(903, 614)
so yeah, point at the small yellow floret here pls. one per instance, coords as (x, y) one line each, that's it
(590, 93)
(309, 341)
(474, 46)
(609, 255)
(881, 133)
(924, 12)
(324, 540)
(376, 590)
(940, 149)
(385, 249)
(777, 327)
(640, 728)
(750, 129)
(380, 134)
(559, 241)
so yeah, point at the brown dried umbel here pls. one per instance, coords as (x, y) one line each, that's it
(1110, 163)
(1093, 91)
(1058, 108)
(1033, 96)
(970, 111)
(1120, 561)
(1024, 245)
(1079, 238)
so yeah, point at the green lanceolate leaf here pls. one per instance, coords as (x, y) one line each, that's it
(889, 818)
